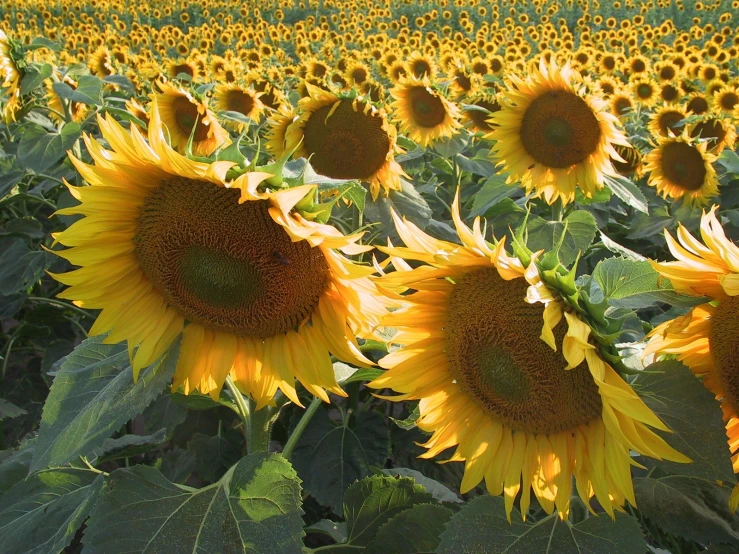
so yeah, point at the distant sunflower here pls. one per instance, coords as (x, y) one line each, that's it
(10, 79)
(421, 66)
(698, 104)
(236, 98)
(137, 110)
(77, 109)
(346, 138)
(630, 162)
(423, 113)
(727, 98)
(645, 91)
(277, 124)
(101, 62)
(680, 167)
(183, 67)
(705, 339)
(478, 111)
(183, 116)
(665, 121)
(553, 136)
(621, 103)
(168, 249)
(509, 377)
(720, 133)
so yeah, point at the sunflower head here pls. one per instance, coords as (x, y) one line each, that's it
(10, 79)
(101, 62)
(239, 99)
(718, 132)
(345, 137)
(680, 167)
(423, 113)
(553, 136)
(506, 372)
(186, 117)
(168, 248)
(667, 121)
(478, 110)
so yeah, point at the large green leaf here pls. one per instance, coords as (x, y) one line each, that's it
(39, 150)
(88, 91)
(689, 409)
(14, 465)
(254, 508)
(576, 233)
(481, 527)
(93, 394)
(406, 202)
(628, 192)
(34, 76)
(440, 492)
(493, 190)
(372, 502)
(42, 513)
(21, 267)
(689, 507)
(331, 455)
(412, 531)
(635, 284)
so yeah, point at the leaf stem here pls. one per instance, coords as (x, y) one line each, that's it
(61, 304)
(243, 407)
(300, 427)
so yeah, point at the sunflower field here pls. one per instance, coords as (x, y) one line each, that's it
(347, 276)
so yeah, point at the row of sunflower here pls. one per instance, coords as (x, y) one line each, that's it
(370, 238)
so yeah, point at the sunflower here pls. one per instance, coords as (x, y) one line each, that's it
(345, 137)
(236, 98)
(630, 161)
(168, 249)
(519, 390)
(554, 137)
(698, 104)
(666, 120)
(727, 98)
(78, 109)
(422, 112)
(645, 91)
(621, 103)
(705, 339)
(10, 78)
(101, 62)
(719, 132)
(680, 167)
(478, 110)
(183, 67)
(277, 124)
(185, 117)
(134, 108)
(421, 65)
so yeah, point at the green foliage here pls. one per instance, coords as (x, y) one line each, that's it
(39, 150)
(254, 508)
(481, 526)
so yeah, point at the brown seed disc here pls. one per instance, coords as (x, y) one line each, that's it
(683, 165)
(495, 354)
(240, 101)
(559, 129)
(347, 145)
(186, 116)
(225, 265)
(427, 108)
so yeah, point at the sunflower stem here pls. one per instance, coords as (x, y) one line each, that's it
(557, 210)
(258, 429)
(300, 427)
(242, 406)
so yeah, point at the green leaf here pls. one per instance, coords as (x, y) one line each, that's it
(92, 395)
(21, 268)
(690, 410)
(689, 507)
(493, 190)
(730, 160)
(165, 413)
(39, 150)
(330, 455)
(42, 513)
(34, 76)
(627, 191)
(484, 168)
(128, 446)
(635, 284)
(43, 42)
(409, 422)
(334, 529)
(89, 90)
(619, 249)
(213, 455)
(440, 492)
(254, 508)
(14, 465)
(8, 410)
(346, 374)
(451, 146)
(481, 526)
(28, 227)
(372, 502)
(643, 226)
(9, 180)
(407, 202)
(576, 233)
(415, 530)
